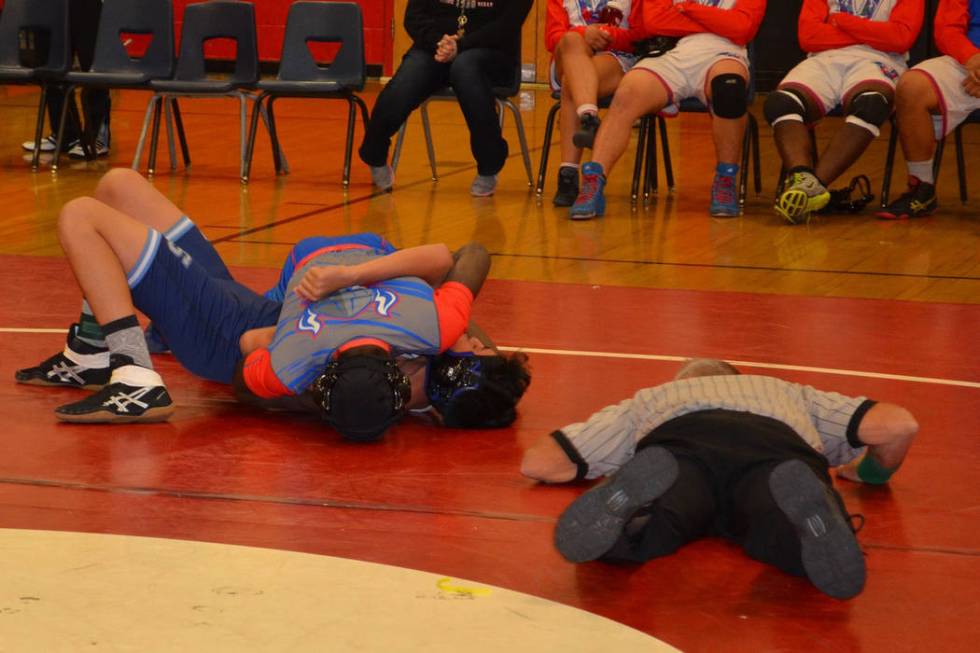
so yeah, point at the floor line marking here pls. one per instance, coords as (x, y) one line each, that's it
(668, 358)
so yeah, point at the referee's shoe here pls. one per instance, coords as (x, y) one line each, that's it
(134, 394)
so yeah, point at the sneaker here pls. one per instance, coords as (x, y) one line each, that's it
(78, 152)
(47, 144)
(590, 203)
(724, 197)
(804, 195)
(917, 202)
(155, 342)
(134, 394)
(483, 185)
(588, 125)
(592, 524)
(567, 186)
(80, 365)
(383, 177)
(831, 556)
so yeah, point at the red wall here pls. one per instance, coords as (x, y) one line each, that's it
(270, 15)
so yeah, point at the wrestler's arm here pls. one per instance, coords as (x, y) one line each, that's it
(471, 265)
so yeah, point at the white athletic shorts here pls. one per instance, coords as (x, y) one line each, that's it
(624, 59)
(829, 77)
(947, 75)
(684, 70)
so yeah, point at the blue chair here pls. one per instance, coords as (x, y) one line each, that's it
(112, 67)
(49, 17)
(300, 76)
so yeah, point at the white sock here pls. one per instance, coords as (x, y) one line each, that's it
(586, 108)
(566, 164)
(921, 170)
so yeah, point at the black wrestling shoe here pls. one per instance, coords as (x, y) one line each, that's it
(851, 198)
(80, 365)
(918, 201)
(134, 394)
(567, 186)
(592, 524)
(831, 555)
(588, 125)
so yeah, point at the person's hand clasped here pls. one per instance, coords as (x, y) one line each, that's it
(597, 38)
(447, 48)
(318, 282)
(971, 83)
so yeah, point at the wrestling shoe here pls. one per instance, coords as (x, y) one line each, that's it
(917, 202)
(134, 394)
(724, 197)
(567, 186)
(831, 556)
(79, 365)
(592, 524)
(588, 125)
(850, 199)
(590, 203)
(804, 195)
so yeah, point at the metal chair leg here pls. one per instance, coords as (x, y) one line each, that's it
(886, 182)
(961, 163)
(743, 181)
(39, 128)
(651, 175)
(253, 128)
(142, 139)
(641, 140)
(756, 155)
(67, 108)
(274, 134)
(397, 154)
(937, 162)
(430, 148)
(521, 137)
(349, 145)
(181, 135)
(665, 148)
(549, 127)
(169, 121)
(154, 137)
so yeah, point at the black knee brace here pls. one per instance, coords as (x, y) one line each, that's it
(784, 104)
(728, 96)
(869, 110)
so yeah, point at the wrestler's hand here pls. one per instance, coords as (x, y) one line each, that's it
(971, 84)
(318, 282)
(447, 48)
(850, 470)
(597, 38)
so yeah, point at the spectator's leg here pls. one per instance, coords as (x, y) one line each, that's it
(473, 74)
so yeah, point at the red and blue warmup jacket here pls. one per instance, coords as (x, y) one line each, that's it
(957, 28)
(885, 25)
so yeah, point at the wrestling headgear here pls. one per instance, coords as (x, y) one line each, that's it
(471, 391)
(361, 395)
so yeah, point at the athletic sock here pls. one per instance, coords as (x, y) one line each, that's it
(185, 234)
(124, 336)
(921, 170)
(565, 164)
(583, 109)
(89, 330)
(727, 169)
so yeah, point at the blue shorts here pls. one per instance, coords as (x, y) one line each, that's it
(201, 317)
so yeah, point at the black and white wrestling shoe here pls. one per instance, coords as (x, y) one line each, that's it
(80, 365)
(133, 394)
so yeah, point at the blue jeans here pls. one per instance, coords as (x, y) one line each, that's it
(472, 75)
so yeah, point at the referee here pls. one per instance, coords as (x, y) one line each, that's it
(715, 452)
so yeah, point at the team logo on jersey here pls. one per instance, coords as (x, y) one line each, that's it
(310, 322)
(860, 8)
(384, 301)
(888, 71)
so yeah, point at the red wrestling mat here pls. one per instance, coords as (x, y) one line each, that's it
(453, 502)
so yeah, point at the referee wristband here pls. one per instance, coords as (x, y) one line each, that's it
(581, 467)
(870, 471)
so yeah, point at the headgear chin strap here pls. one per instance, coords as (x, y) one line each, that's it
(361, 395)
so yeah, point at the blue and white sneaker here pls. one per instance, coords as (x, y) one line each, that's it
(724, 197)
(590, 203)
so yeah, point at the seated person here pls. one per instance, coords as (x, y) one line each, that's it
(592, 49)
(122, 263)
(709, 62)
(856, 54)
(714, 452)
(934, 97)
(469, 45)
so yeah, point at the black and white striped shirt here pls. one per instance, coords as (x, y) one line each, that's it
(607, 440)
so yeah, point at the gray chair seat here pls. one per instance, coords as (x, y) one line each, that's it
(300, 89)
(209, 86)
(16, 75)
(113, 80)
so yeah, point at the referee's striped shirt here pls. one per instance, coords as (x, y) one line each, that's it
(607, 440)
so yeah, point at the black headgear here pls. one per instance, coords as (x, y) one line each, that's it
(361, 395)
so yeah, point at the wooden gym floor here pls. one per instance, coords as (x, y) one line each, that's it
(604, 307)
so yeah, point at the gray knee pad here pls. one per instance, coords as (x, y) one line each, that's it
(869, 110)
(728, 96)
(784, 104)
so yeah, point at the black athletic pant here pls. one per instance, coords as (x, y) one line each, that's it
(724, 458)
(472, 75)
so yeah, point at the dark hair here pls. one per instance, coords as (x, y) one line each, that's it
(503, 380)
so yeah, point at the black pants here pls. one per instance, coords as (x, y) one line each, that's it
(472, 75)
(724, 458)
(83, 21)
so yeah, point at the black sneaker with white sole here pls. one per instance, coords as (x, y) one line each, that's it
(592, 524)
(831, 556)
(134, 394)
(79, 365)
